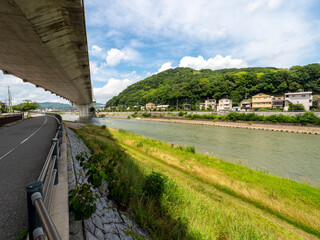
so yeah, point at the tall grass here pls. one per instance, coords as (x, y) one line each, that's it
(205, 198)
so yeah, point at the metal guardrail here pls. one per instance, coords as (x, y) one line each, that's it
(39, 193)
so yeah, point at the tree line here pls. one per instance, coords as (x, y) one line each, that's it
(186, 85)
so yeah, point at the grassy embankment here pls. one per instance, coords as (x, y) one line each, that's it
(303, 119)
(205, 198)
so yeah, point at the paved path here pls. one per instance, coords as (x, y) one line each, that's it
(23, 150)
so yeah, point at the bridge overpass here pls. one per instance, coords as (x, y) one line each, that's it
(44, 42)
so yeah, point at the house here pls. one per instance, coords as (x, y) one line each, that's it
(261, 100)
(225, 105)
(303, 98)
(210, 104)
(278, 102)
(163, 107)
(201, 106)
(150, 106)
(246, 105)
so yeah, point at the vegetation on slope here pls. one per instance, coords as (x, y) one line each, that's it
(302, 119)
(199, 197)
(186, 84)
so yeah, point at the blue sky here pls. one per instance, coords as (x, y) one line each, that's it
(130, 40)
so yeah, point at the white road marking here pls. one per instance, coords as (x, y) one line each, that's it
(24, 140)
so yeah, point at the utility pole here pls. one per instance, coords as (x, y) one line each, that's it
(9, 100)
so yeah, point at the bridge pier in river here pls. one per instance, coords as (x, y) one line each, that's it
(83, 109)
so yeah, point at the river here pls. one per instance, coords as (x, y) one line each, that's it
(288, 155)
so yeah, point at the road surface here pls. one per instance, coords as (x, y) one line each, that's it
(23, 150)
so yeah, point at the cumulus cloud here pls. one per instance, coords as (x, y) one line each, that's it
(94, 68)
(165, 66)
(96, 51)
(112, 88)
(21, 91)
(218, 62)
(211, 25)
(115, 56)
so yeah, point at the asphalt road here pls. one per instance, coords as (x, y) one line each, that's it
(23, 150)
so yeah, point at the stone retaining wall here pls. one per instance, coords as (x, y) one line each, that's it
(107, 222)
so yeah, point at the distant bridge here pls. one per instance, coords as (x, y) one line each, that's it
(44, 42)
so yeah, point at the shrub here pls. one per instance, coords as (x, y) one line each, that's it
(155, 184)
(145, 114)
(296, 107)
(190, 149)
(81, 201)
(181, 114)
(103, 127)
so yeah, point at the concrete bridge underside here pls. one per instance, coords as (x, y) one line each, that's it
(44, 42)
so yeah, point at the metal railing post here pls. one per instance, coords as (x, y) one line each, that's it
(60, 138)
(33, 218)
(55, 153)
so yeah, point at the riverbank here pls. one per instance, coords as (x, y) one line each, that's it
(257, 126)
(234, 201)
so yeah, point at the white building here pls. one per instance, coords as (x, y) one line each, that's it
(303, 98)
(225, 105)
(208, 104)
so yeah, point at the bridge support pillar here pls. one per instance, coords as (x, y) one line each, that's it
(83, 109)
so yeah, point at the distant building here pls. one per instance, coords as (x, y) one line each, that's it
(201, 106)
(150, 106)
(210, 103)
(261, 100)
(303, 98)
(278, 102)
(246, 105)
(163, 107)
(225, 105)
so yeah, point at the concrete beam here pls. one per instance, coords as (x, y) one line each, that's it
(44, 42)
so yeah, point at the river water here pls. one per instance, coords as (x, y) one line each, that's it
(288, 155)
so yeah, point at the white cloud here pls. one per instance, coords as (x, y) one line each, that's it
(94, 69)
(218, 62)
(115, 56)
(165, 66)
(21, 91)
(230, 27)
(96, 51)
(112, 88)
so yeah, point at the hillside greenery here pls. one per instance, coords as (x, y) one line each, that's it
(192, 86)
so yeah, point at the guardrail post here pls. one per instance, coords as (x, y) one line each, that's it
(33, 218)
(55, 153)
(60, 138)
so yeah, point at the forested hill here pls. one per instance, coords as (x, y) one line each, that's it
(186, 84)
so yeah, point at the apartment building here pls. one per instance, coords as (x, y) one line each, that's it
(278, 102)
(261, 100)
(224, 105)
(303, 98)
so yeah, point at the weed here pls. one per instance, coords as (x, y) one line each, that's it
(190, 149)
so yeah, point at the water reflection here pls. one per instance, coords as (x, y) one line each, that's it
(288, 155)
